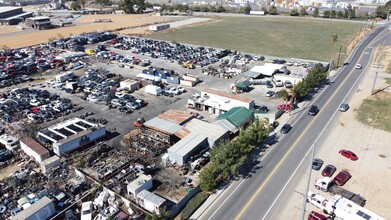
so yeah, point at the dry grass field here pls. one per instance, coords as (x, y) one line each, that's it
(83, 24)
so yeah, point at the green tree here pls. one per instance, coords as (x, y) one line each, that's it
(326, 14)
(316, 12)
(303, 11)
(208, 178)
(351, 11)
(382, 11)
(197, 8)
(284, 94)
(264, 9)
(294, 12)
(247, 9)
(340, 14)
(213, 9)
(75, 5)
(220, 9)
(273, 10)
(162, 216)
(134, 6)
(204, 9)
(333, 14)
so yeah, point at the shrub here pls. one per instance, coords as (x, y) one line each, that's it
(193, 205)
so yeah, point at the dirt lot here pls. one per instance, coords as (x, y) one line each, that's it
(83, 24)
(371, 171)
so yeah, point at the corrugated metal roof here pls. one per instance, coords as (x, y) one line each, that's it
(140, 181)
(227, 125)
(226, 95)
(35, 146)
(162, 125)
(25, 214)
(212, 131)
(236, 115)
(177, 116)
(183, 132)
(187, 144)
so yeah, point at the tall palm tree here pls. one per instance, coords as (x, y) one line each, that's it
(334, 38)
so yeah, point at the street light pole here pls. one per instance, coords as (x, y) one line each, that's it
(308, 182)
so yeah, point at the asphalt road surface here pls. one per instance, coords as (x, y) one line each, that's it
(262, 194)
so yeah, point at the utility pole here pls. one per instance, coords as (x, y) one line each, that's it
(308, 183)
(339, 55)
(377, 69)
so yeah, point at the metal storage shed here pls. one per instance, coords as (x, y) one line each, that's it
(181, 152)
(214, 132)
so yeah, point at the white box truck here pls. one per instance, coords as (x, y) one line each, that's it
(153, 90)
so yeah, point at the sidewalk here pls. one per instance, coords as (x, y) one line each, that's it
(285, 118)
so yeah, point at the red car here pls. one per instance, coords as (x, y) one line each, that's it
(316, 216)
(348, 154)
(329, 170)
(341, 178)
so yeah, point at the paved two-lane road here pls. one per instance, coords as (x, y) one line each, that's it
(262, 195)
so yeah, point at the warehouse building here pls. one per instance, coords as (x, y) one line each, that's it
(41, 210)
(215, 133)
(71, 135)
(167, 126)
(34, 149)
(235, 118)
(217, 102)
(13, 15)
(183, 151)
(40, 22)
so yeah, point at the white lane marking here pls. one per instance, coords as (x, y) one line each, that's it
(324, 128)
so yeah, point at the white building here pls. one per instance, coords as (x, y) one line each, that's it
(150, 201)
(10, 142)
(34, 149)
(50, 164)
(143, 182)
(130, 85)
(181, 152)
(268, 69)
(159, 27)
(216, 102)
(70, 135)
(41, 210)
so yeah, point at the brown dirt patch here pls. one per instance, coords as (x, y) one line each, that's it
(83, 24)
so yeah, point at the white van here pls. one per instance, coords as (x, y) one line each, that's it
(86, 211)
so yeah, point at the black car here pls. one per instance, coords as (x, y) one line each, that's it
(263, 109)
(286, 128)
(313, 110)
(317, 164)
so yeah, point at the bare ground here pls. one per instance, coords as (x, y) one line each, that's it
(83, 25)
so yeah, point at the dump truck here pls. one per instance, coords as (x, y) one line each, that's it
(326, 184)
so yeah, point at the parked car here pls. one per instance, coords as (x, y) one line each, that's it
(263, 109)
(86, 211)
(286, 128)
(343, 107)
(348, 154)
(313, 110)
(316, 216)
(317, 164)
(288, 84)
(341, 178)
(329, 170)
(270, 93)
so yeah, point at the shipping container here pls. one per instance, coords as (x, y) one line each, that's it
(174, 80)
(187, 83)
